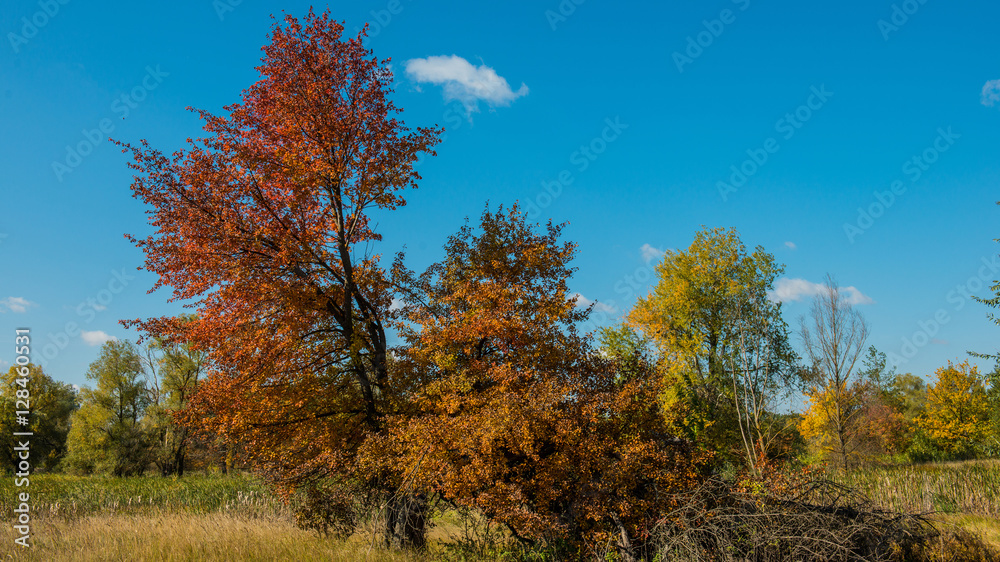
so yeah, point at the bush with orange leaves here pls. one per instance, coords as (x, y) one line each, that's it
(521, 418)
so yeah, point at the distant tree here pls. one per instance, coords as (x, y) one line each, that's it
(176, 369)
(632, 351)
(723, 341)
(51, 404)
(908, 394)
(882, 419)
(107, 434)
(957, 413)
(875, 369)
(834, 336)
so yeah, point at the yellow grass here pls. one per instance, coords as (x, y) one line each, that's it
(187, 537)
(986, 527)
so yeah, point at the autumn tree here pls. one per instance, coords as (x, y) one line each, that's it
(107, 434)
(520, 418)
(265, 226)
(882, 426)
(723, 340)
(50, 405)
(834, 337)
(957, 414)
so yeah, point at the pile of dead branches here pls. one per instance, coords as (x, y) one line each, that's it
(816, 520)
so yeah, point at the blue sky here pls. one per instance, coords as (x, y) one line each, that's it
(859, 139)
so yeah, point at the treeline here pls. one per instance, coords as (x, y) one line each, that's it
(126, 424)
(902, 418)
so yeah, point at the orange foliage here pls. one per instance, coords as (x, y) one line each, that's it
(523, 420)
(259, 227)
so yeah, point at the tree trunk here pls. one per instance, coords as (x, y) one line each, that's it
(179, 459)
(623, 547)
(406, 521)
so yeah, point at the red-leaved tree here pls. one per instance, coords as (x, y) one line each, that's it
(264, 226)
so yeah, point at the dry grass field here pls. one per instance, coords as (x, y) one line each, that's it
(207, 518)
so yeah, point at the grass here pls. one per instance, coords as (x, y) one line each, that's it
(236, 517)
(986, 527)
(193, 518)
(183, 537)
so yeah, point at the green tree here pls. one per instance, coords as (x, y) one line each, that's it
(876, 370)
(51, 405)
(722, 339)
(107, 434)
(175, 369)
(628, 349)
(908, 394)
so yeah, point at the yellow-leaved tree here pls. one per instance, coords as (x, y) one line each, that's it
(724, 344)
(957, 410)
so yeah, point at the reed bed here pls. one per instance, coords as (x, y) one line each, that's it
(969, 487)
(70, 497)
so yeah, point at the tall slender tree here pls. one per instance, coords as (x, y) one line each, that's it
(834, 336)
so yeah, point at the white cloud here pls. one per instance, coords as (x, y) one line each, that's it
(854, 296)
(991, 93)
(396, 304)
(584, 302)
(16, 304)
(463, 81)
(791, 245)
(787, 290)
(650, 252)
(97, 337)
